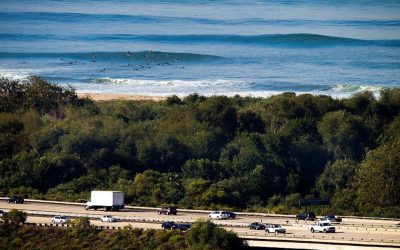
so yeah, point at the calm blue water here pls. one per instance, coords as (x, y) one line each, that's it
(164, 47)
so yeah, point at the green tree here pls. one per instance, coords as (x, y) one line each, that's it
(344, 134)
(12, 139)
(388, 105)
(173, 100)
(250, 122)
(48, 98)
(11, 95)
(219, 111)
(378, 178)
(206, 235)
(194, 189)
(392, 131)
(15, 217)
(336, 177)
(361, 103)
(202, 169)
(81, 228)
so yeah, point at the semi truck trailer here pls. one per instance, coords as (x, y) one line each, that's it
(107, 200)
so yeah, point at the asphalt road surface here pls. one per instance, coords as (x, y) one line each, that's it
(353, 230)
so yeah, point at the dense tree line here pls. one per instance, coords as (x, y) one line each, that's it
(203, 152)
(82, 235)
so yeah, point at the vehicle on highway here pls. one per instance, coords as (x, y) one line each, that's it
(219, 215)
(274, 228)
(256, 226)
(60, 219)
(232, 215)
(16, 199)
(331, 218)
(108, 218)
(107, 200)
(306, 216)
(324, 227)
(2, 213)
(168, 210)
(170, 225)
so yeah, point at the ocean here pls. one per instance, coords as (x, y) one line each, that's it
(210, 47)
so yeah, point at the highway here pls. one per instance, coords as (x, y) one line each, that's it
(350, 230)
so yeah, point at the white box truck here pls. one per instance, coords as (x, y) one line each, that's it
(107, 200)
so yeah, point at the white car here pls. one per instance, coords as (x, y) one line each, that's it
(219, 215)
(60, 219)
(274, 228)
(108, 218)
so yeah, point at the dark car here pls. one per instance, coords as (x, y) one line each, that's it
(256, 226)
(167, 210)
(2, 214)
(170, 225)
(332, 218)
(16, 200)
(232, 215)
(306, 216)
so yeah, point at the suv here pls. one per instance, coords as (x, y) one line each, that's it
(60, 219)
(306, 216)
(167, 210)
(274, 228)
(16, 199)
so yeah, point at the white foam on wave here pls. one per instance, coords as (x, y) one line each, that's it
(13, 74)
(346, 88)
(170, 83)
(207, 87)
(210, 87)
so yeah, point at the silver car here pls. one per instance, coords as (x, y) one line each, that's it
(218, 215)
(108, 218)
(60, 219)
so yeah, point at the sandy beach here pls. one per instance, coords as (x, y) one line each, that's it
(111, 97)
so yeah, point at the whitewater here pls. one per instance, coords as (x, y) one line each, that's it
(166, 47)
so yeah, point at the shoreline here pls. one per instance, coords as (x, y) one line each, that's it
(141, 97)
(114, 97)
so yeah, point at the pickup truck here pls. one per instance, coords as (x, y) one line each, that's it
(322, 227)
